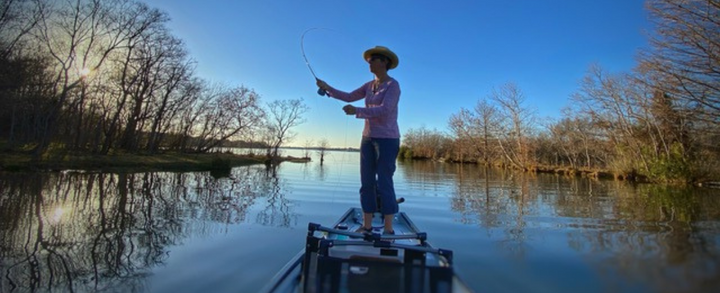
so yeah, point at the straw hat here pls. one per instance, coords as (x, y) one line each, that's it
(385, 52)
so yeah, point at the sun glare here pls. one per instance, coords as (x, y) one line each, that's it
(85, 72)
(57, 215)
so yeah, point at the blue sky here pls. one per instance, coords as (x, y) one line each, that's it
(452, 53)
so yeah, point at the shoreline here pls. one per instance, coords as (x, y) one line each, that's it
(178, 162)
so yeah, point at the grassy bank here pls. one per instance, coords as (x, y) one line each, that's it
(130, 162)
(565, 170)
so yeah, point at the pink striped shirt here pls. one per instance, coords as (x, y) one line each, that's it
(381, 107)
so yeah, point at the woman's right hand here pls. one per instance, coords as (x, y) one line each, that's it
(322, 84)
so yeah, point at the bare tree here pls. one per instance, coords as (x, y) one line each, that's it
(561, 134)
(23, 93)
(282, 116)
(609, 101)
(226, 113)
(80, 36)
(188, 117)
(648, 133)
(574, 140)
(176, 91)
(464, 131)
(306, 148)
(516, 125)
(23, 74)
(426, 143)
(686, 54)
(17, 19)
(476, 130)
(161, 70)
(322, 149)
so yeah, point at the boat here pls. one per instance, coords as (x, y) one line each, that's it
(337, 259)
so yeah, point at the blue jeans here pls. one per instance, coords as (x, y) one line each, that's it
(377, 166)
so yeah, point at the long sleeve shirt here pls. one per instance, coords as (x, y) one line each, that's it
(381, 107)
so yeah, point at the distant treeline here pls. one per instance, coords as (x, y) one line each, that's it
(108, 76)
(660, 122)
(243, 144)
(320, 148)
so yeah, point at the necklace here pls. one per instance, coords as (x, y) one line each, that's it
(376, 85)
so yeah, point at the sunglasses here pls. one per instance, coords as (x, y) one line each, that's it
(377, 57)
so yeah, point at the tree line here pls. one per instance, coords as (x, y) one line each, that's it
(658, 122)
(108, 76)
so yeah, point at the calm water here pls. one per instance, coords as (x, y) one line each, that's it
(511, 232)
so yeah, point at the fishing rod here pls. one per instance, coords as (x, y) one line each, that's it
(320, 91)
(324, 93)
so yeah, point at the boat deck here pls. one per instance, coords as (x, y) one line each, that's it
(336, 259)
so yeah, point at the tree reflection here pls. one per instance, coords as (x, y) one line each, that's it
(662, 236)
(676, 227)
(277, 210)
(496, 199)
(96, 231)
(322, 172)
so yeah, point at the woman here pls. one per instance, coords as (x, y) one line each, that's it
(381, 136)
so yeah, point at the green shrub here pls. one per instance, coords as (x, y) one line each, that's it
(405, 153)
(672, 167)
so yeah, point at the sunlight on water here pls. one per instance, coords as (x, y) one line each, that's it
(511, 232)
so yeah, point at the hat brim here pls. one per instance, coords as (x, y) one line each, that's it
(385, 52)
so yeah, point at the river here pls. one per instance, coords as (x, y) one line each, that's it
(78, 231)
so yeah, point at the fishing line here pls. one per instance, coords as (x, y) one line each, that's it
(322, 92)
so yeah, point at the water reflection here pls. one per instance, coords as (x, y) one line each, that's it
(664, 237)
(94, 231)
(103, 232)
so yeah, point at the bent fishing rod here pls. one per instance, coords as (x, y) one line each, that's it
(320, 91)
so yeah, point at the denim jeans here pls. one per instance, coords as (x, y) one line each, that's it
(377, 166)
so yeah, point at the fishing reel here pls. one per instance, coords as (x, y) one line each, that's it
(321, 92)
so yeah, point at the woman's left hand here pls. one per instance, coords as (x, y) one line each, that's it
(349, 109)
